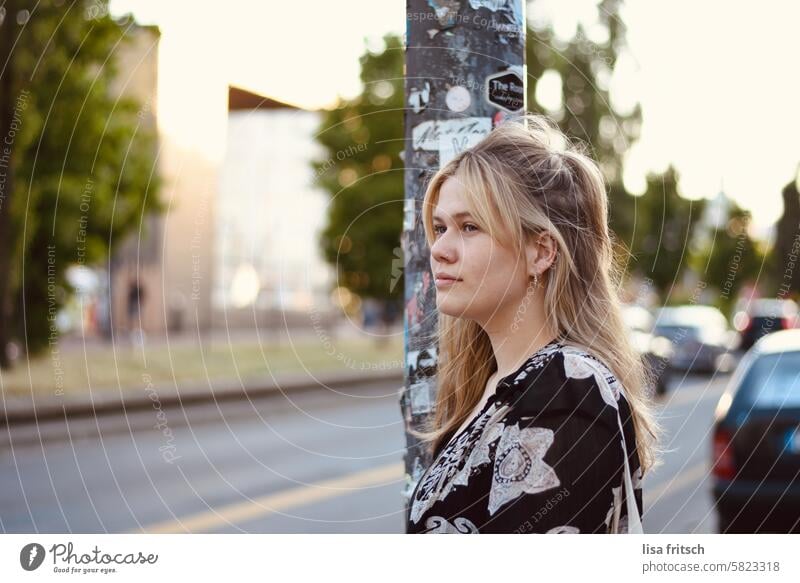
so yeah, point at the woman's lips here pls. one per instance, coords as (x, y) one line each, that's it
(445, 281)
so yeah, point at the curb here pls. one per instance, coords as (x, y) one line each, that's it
(29, 409)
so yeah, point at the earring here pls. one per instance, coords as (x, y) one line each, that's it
(535, 279)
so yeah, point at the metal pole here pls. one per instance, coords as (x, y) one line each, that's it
(465, 73)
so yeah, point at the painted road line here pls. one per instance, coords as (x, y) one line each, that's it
(279, 501)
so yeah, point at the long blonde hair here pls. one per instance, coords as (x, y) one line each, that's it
(526, 177)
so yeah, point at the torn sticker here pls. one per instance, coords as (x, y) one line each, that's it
(421, 392)
(446, 11)
(418, 98)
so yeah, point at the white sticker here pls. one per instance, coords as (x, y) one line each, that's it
(450, 133)
(458, 98)
(450, 145)
(420, 393)
(409, 214)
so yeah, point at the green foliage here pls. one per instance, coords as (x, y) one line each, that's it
(84, 158)
(585, 66)
(363, 172)
(782, 264)
(729, 258)
(664, 225)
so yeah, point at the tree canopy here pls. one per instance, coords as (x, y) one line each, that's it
(82, 170)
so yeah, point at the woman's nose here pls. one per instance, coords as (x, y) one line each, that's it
(443, 249)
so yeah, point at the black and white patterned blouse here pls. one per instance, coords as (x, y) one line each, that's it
(552, 451)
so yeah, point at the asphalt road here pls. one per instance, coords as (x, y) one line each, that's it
(677, 495)
(318, 462)
(308, 462)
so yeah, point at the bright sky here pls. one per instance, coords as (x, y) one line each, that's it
(718, 81)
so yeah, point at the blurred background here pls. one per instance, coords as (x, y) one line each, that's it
(201, 279)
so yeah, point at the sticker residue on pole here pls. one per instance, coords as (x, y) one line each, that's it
(446, 11)
(499, 117)
(493, 5)
(511, 9)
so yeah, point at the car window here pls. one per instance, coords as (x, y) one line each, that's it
(773, 381)
(677, 333)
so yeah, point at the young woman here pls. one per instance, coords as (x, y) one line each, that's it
(542, 421)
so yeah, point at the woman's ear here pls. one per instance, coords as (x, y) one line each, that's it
(540, 253)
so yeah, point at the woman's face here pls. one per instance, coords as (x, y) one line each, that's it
(491, 279)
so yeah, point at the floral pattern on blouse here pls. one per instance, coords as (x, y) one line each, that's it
(552, 451)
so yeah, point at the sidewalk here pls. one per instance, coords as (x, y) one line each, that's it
(21, 410)
(98, 377)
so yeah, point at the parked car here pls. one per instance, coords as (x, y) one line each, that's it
(655, 350)
(757, 318)
(756, 440)
(701, 337)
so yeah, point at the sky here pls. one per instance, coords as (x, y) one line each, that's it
(717, 81)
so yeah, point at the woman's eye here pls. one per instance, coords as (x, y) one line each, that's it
(439, 229)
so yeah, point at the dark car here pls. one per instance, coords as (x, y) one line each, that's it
(757, 318)
(655, 350)
(701, 337)
(756, 440)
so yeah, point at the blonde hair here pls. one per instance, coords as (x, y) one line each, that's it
(526, 177)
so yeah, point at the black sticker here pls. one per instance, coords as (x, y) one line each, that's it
(506, 91)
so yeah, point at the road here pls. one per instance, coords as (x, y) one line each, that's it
(317, 461)
(677, 495)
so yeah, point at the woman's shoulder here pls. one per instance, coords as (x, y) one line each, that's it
(579, 362)
(570, 380)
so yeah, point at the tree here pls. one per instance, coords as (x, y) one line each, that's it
(82, 159)
(786, 279)
(664, 228)
(584, 67)
(363, 172)
(729, 258)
